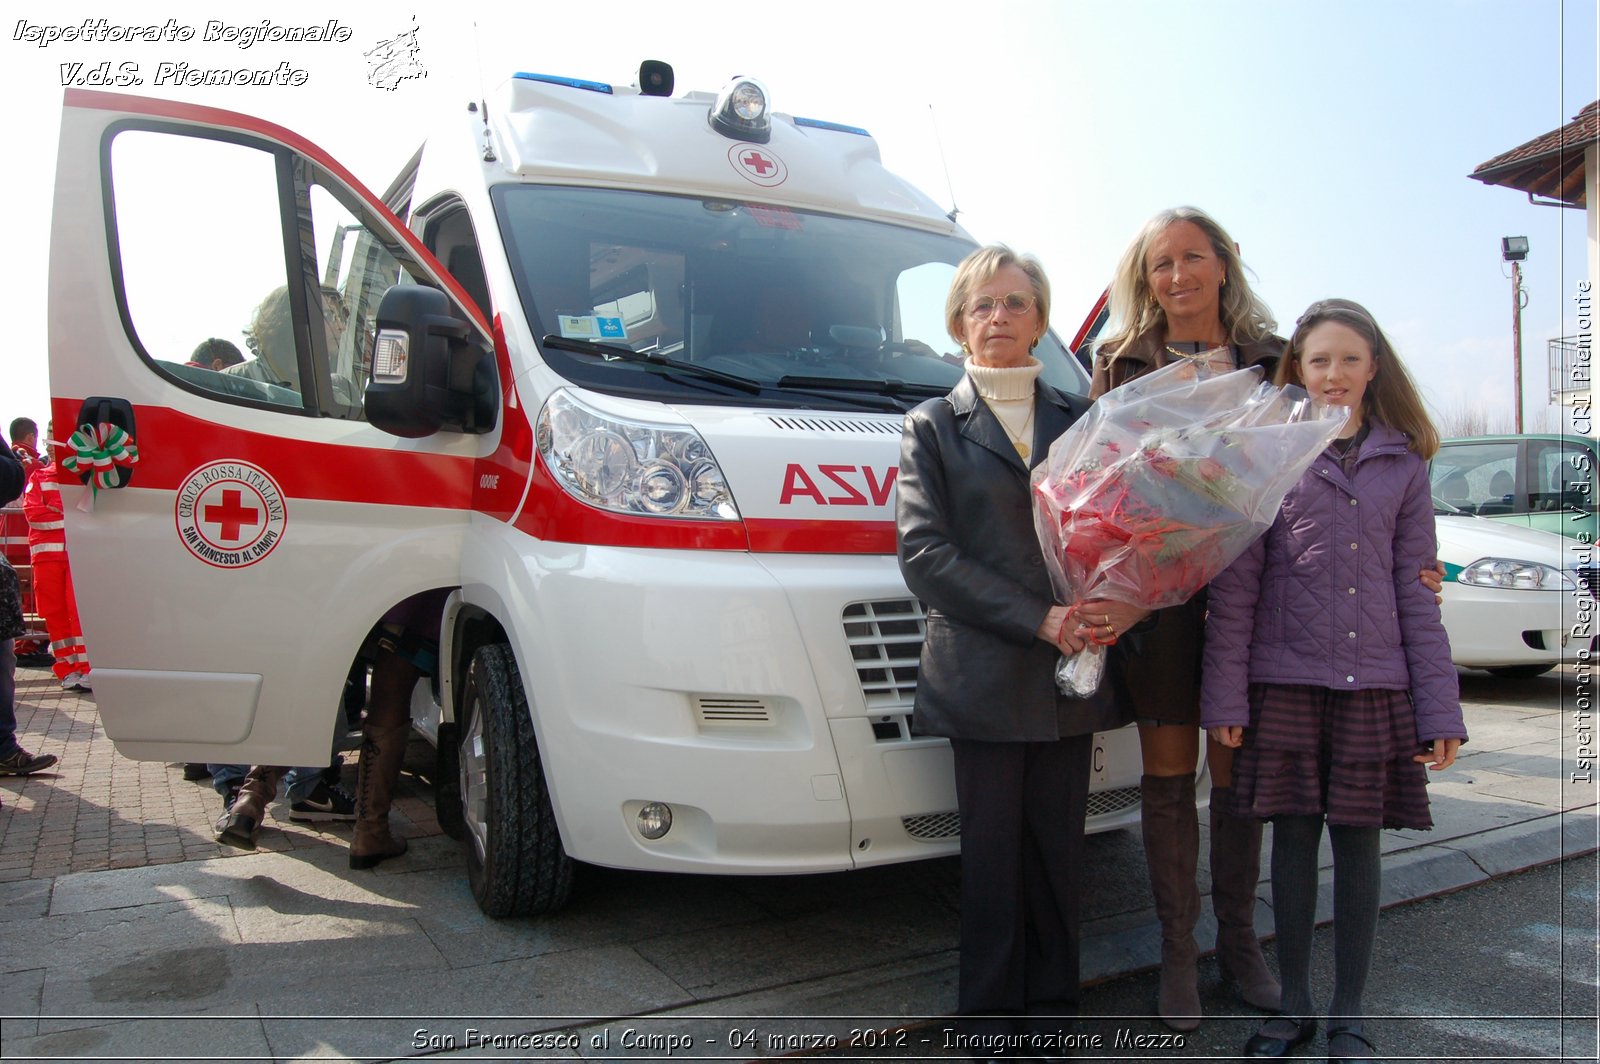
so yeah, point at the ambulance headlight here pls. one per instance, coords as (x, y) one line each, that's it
(631, 467)
(742, 111)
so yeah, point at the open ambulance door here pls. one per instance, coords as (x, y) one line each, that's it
(214, 287)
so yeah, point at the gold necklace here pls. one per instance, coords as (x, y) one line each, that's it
(1207, 357)
(1016, 437)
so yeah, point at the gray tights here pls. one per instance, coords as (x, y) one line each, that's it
(1357, 877)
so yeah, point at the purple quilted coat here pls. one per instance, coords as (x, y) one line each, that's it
(1330, 595)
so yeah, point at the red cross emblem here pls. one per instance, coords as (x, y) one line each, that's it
(762, 165)
(232, 515)
(759, 166)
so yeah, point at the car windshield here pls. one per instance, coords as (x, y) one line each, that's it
(811, 309)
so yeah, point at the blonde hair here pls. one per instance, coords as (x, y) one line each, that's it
(1134, 311)
(979, 268)
(1391, 396)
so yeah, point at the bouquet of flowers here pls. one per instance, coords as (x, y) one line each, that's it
(1164, 483)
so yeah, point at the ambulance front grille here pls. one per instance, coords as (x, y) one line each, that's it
(934, 827)
(1102, 803)
(851, 426)
(885, 640)
(732, 711)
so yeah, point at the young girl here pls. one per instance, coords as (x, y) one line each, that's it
(1327, 666)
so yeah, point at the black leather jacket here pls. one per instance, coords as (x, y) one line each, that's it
(969, 551)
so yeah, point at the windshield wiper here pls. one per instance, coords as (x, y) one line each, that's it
(876, 385)
(595, 347)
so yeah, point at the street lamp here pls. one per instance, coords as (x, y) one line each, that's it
(1514, 249)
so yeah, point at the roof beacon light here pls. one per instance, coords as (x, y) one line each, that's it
(742, 111)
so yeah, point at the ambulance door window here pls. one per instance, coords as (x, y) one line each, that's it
(198, 251)
(353, 271)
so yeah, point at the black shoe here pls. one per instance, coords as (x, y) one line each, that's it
(23, 763)
(192, 772)
(324, 803)
(334, 773)
(1363, 1055)
(1268, 1045)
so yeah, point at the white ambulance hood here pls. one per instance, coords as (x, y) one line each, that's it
(804, 465)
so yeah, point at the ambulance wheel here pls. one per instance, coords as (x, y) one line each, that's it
(515, 860)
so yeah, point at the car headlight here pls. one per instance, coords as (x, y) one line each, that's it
(632, 467)
(1520, 576)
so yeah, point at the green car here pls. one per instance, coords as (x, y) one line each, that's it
(1541, 481)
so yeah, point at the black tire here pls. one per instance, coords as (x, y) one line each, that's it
(515, 860)
(447, 782)
(1519, 672)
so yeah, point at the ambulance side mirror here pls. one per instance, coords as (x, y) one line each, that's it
(430, 369)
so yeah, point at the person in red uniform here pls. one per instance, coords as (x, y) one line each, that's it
(52, 576)
(25, 443)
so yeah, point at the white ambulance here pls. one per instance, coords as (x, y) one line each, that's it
(628, 381)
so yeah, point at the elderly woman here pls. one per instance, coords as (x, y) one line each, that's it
(968, 550)
(1180, 291)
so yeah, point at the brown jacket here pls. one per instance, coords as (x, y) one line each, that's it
(1159, 661)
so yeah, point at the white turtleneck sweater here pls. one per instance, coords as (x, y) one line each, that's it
(1009, 392)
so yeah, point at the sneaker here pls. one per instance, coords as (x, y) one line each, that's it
(23, 763)
(327, 802)
(78, 681)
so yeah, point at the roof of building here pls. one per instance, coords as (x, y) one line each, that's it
(1550, 165)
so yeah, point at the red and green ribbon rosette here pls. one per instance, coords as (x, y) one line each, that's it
(101, 456)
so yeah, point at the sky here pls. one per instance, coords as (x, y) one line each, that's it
(1333, 140)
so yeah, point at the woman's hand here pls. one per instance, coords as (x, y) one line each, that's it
(1227, 735)
(1058, 631)
(1442, 755)
(1433, 580)
(1105, 620)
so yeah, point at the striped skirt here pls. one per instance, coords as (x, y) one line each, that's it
(1342, 754)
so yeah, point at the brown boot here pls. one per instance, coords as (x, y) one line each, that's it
(1235, 869)
(383, 749)
(1171, 851)
(240, 823)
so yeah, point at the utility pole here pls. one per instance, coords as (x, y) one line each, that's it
(1514, 249)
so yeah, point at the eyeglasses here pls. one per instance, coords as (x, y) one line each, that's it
(982, 307)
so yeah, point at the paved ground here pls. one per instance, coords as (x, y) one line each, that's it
(128, 933)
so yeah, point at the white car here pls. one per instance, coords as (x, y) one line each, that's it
(1517, 601)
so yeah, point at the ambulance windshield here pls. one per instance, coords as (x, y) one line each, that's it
(815, 309)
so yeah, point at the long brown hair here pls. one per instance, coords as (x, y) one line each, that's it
(1391, 397)
(1134, 310)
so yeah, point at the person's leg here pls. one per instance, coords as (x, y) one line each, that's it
(1357, 886)
(1055, 800)
(81, 652)
(383, 750)
(241, 824)
(8, 697)
(1235, 870)
(1170, 826)
(991, 985)
(1294, 904)
(50, 594)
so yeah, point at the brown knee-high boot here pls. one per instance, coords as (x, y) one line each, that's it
(1171, 851)
(1235, 868)
(383, 750)
(241, 823)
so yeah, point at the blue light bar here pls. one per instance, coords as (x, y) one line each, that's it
(817, 123)
(571, 83)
